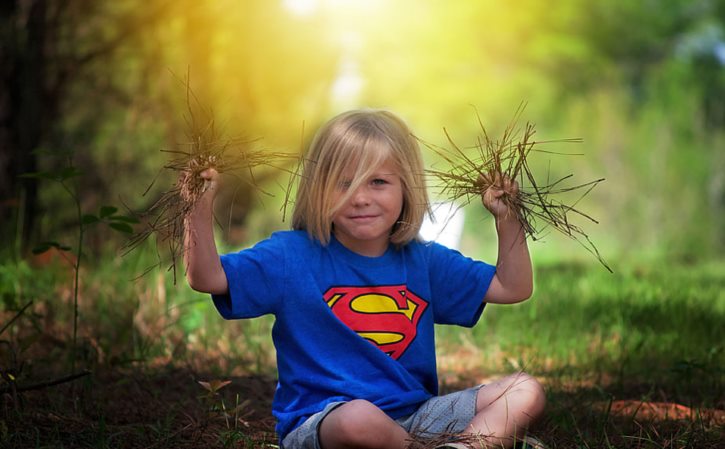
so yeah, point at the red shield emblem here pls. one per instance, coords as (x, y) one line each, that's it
(386, 316)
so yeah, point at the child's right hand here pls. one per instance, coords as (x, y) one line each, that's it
(203, 267)
(203, 205)
(211, 179)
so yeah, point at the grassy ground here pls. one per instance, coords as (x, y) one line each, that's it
(631, 360)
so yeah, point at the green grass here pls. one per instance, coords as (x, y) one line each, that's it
(647, 327)
(582, 316)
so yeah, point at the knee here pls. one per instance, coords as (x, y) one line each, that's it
(530, 393)
(353, 422)
(355, 417)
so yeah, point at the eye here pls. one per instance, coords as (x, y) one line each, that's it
(344, 185)
(379, 182)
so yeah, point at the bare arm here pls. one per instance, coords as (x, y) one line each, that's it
(513, 281)
(204, 270)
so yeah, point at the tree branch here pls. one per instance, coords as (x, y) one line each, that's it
(41, 385)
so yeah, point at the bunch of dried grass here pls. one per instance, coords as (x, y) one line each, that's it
(427, 441)
(535, 206)
(204, 149)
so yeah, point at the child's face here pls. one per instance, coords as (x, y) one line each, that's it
(364, 222)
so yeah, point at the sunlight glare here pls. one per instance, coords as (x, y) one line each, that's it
(350, 20)
(346, 88)
(309, 7)
(301, 7)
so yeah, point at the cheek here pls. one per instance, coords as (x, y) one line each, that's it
(336, 202)
(398, 202)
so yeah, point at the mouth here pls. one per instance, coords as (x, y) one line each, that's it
(362, 218)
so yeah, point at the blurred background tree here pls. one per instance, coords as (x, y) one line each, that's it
(102, 85)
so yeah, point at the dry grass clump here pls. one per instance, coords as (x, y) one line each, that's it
(536, 206)
(203, 149)
(427, 441)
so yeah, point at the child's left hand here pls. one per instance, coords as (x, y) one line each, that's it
(493, 196)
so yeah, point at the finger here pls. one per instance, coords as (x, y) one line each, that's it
(507, 184)
(209, 174)
(484, 181)
(497, 193)
(514, 187)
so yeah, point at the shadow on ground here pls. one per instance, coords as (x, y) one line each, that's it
(166, 407)
(160, 408)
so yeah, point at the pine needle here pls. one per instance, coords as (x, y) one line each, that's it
(473, 170)
(203, 149)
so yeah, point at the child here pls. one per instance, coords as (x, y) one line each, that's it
(355, 296)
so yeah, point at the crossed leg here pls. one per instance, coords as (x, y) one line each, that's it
(360, 424)
(504, 410)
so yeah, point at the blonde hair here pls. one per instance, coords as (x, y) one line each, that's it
(358, 142)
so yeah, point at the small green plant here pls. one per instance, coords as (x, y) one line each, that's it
(236, 439)
(107, 215)
(234, 418)
(212, 392)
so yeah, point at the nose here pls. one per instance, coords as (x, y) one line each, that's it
(360, 197)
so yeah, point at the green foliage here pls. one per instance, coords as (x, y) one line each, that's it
(106, 214)
(640, 83)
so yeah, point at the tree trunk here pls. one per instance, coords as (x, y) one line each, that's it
(24, 107)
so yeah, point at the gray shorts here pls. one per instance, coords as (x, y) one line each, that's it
(450, 413)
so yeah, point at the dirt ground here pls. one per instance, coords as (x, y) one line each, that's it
(169, 407)
(128, 408)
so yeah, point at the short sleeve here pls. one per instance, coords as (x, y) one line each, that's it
(256, 278)
(458, 286)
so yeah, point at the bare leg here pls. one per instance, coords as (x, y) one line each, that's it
(506, 408)
(359, 424)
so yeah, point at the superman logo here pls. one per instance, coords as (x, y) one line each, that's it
(387, 316)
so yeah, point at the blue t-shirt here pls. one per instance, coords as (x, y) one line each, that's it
(349, 326)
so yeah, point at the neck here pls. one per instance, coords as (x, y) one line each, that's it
(367, 249)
